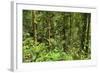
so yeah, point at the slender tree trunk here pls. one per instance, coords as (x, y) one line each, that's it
(64, 32)
(88, 30)
(70, 40)
(49, 28)
(34, 26)
(83, 33)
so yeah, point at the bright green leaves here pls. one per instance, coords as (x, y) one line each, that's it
(27, 55)
(31, 49)
(38, 48)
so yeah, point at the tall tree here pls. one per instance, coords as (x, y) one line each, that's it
(34, 26)
(70, 29)
(65, 17)
(88, 32)
(83, 32)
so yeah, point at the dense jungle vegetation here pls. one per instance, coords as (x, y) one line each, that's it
(56, 36)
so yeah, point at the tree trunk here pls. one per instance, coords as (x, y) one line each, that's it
(49, 30)
(88, 30)
(70, 30)
(64, 32)
(83, 33)
(49, 27)
(34, 26)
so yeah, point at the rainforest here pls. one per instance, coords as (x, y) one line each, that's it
(55, 36)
